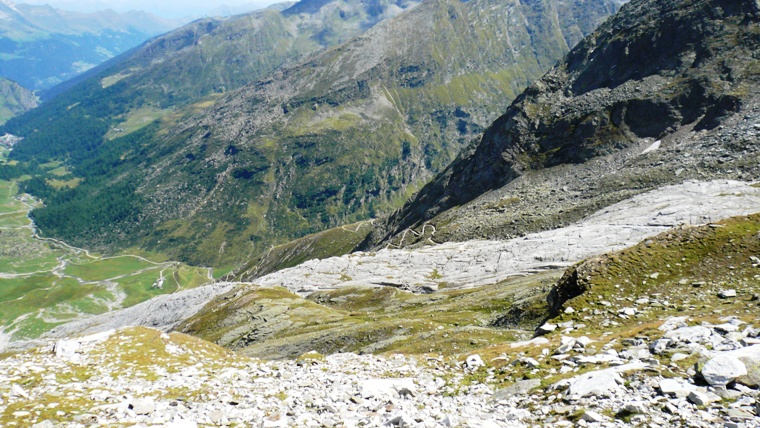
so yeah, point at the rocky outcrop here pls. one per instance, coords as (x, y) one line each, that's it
(662, 74)
(14, 99)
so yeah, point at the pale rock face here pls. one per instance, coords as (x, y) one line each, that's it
(472, 263)
(689, 334)
(477, 263)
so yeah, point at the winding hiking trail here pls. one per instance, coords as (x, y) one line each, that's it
(111, 282)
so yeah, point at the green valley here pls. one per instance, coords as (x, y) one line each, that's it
(44, 282)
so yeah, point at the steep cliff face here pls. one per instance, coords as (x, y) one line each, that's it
(14, 99)
(336, 138)
(660, 71)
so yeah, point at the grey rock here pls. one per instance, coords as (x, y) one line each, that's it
(400, 421)
(700, 398)
(676, 387)
(634, 408)
(385, 388)
(593, 417)
(696, 334)
(659, 346)
(161, 312)
(216, 416)
(18, 391)
(530, 362)
(563, 349)
(726, 328)
(600, 383)
(546, 328)
(749, 356)
(726, 294)
(519, 388)
(628, 311)
(727, 394)
(672, 323)
(479, 262)
(143, 406)
(474, 362)
(722, 370)
(740, 414)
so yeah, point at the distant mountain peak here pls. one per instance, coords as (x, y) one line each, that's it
(44, 46)
(9, 4)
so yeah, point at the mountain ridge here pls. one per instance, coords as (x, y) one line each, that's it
(589, 111)
(44, 46)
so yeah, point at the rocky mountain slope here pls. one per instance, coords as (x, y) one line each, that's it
(477, 292)
(43, 46)
(339, 137)
(214, 55)
(663, 92)
(14, 99)
(663, 333)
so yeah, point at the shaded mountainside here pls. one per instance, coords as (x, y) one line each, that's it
(661, 73)
(42, 46)
(337, 138)
(14, 99)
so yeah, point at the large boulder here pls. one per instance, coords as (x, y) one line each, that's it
(600, 383)
(750, 357)
(723, 369)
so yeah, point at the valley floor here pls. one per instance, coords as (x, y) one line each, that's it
(45, 282)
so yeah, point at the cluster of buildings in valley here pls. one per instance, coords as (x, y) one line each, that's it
(8, 141)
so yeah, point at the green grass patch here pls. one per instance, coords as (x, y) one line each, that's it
(99, 270)
(140, 287)
(63, 184)
(136, 119)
